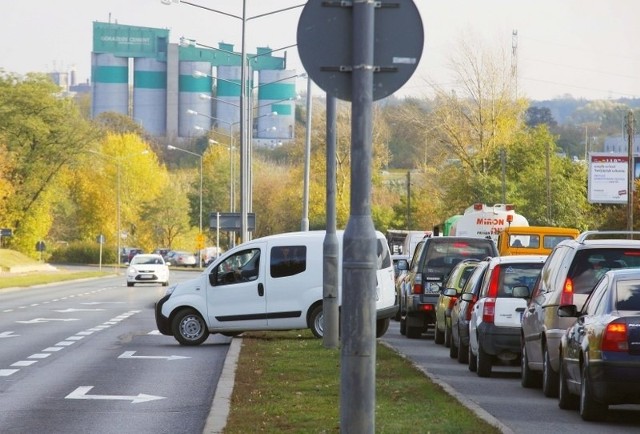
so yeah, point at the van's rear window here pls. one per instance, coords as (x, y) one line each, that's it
(443, 256)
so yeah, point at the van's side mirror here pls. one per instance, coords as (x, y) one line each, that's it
(568, 311)
(521, 292)
(403, 265)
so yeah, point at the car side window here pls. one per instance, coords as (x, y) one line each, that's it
(243, 266)
(288, 260)
(593, 305)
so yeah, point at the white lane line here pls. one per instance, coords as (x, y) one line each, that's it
(75, 338)
(7, 372)
(24, 363)
(53, 349)
(87, 333)
(65, 343)
(39, 356)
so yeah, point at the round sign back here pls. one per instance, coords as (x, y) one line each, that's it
(325, 45)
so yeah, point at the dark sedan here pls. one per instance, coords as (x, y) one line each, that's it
(600, 353)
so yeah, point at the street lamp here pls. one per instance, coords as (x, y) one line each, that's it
(118, 162)
(244, 145)
(200, 235)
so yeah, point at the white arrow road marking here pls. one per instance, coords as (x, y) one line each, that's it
(8, 335)
(130, 355)
(81, 393)
(39, 320)
(78, 310)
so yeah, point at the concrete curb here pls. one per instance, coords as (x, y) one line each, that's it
(217, 419)
(470, 404)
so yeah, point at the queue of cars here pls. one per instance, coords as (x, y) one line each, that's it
(577, 343)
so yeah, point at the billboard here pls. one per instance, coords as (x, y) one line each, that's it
(608, 177)
(130, 41)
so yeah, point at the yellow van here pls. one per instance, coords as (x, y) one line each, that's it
(532, 240)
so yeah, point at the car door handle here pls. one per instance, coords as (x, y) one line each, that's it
(260, 289)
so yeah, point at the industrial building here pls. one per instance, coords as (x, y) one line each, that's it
(185, 89)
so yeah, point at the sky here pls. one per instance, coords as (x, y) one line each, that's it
(583, 48)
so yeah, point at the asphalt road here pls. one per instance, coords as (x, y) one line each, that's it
(85, 356)
(520, 410)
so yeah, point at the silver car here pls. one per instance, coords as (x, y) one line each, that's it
(569, 275)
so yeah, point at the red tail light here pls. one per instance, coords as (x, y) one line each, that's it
(427, 307)
(467, 315)
(489, 310)
(615, 337)
(452, 301)
(417, 285)
(567, 292)
(494, 282)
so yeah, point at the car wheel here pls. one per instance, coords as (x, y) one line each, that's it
(439, 336)
(550, 380)
(382, 325)
(529, 378)
(566, 400)
(590, 409)
(463, 351)
(403, 326)
(447, 336)
(483, 362)
(189, 328)
(165, 283)
(316, 321)
(130, 284)
(473, 360)
(453, 349)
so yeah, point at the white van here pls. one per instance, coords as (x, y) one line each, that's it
(270, 283)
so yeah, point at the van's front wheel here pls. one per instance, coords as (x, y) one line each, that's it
(189, 328)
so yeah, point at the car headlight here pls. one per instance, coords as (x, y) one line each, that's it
(132, 271)
(170, 289)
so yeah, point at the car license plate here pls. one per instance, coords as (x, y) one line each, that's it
(146, 276)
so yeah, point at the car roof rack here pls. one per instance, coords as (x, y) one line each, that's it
(589, 235)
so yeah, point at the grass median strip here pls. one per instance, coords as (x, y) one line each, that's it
(30, 279)
(287, 382)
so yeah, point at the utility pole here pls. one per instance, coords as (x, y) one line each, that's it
(514, 58)
(630, 177)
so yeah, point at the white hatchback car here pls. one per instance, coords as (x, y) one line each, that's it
(147, 268)
(495, 325)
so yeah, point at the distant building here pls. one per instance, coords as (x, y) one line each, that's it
(186, 89)
(619, 144)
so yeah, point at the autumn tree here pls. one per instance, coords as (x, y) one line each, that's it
(43, 133)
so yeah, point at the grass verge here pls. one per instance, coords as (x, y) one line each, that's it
(287, 382)
(30, 279)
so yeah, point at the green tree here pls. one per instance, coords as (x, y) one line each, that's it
(43, 133)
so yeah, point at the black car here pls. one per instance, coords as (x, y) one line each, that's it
(600, 353)
(432, 261)
(461, 313)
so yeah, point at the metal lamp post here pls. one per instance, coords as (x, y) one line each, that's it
(172, 148)
(118, 162)
(244, 136)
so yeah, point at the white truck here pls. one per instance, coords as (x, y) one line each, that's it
(269, 283)
(482, 221)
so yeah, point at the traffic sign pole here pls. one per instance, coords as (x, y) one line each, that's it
(358, 33)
